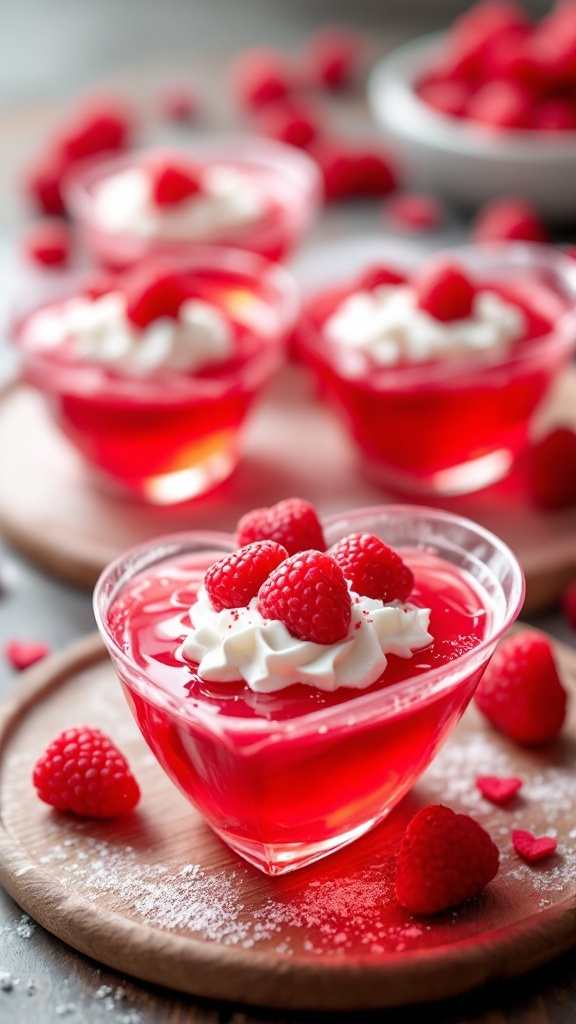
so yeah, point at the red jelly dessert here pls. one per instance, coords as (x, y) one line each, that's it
(290, 746)
(502, 72)
(151, 375)
(437, 376)
(246, 192)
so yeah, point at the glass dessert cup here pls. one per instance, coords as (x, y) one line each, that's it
(171, 436)
(453, 425)
(285, 178)
(289, 777)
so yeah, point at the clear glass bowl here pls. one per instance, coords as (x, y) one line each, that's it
(287, 179)
(454, 425)
(287, 778)
(170, 437)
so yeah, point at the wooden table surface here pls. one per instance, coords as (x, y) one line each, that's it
(42, 980)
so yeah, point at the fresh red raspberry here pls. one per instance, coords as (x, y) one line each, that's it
(520, 692)
(373, 172)
(233, 581)
(42, 183)
(377, 276)
(443, 290)
(23, 653)
(48, 243)
(475, 31)
(551, 469)
(83, 772)
(308, 593)
(498, 790)
(292, 523)
(171, 184)
(444, 859)
(100, 124)
(449, 98)
(509, 219)
(297, 124)
(151, 294)
(333, 57)
(501, 104)
(414, 211)
(555, 115)
(336, 165)
(531, 848)
(372, 568)
(507, 56)
(260, 76)
(351, 170)
(553, 46)
(178, 102)
(569, 604)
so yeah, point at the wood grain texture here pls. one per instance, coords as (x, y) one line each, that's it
(157, 895)
(53, 512)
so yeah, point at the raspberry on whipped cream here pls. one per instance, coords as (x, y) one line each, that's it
(240, 643)
(98, 331)
(224, 198)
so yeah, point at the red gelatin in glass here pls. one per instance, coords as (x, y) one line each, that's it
(449, 426)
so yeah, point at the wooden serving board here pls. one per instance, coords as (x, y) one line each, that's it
(52, 511)
(158, 896)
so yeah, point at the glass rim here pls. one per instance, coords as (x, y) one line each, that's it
(414, 692)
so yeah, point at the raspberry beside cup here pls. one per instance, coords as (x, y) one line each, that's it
(241, 191)
(286, 772)
(151, 374)
(438, 366)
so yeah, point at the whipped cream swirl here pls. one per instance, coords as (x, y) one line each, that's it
(228, 199)
(238, 643)
(98, 331)
(387, 325)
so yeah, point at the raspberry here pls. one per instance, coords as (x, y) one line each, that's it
(551, 469)
(48, 243)
(23, 653)
(520, 692)
(414, 211)
(446, 97)
(98, 125)
(474, 32)
(308, 593)
(178, 102)
(530, 848)
(296, 124)
(292, 523)
(555, 115)
(82, 771)
(444, 859)
(443, 290)
(373, 173)
(569, 604)
(372, 568)
(333, 57)
(260, 77)
(353, 171)
(377, 276)
(498, 790)
(336, 165)
(172, 184)
(509, 219)
(42, 183)
(151, 294)
(233, 581)
(501, 104)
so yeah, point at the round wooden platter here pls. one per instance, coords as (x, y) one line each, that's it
(51, 509)
(158, 896)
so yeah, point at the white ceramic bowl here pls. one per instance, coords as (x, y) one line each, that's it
(462, 161)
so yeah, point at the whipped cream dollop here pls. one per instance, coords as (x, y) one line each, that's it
(98, 331)
(238, 643)
(387, 325)
(123, 203)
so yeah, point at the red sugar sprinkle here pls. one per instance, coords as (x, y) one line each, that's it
(532, 848)
(498, 790)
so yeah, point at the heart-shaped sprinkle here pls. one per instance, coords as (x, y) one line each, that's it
(532, 848)
(498, 790)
